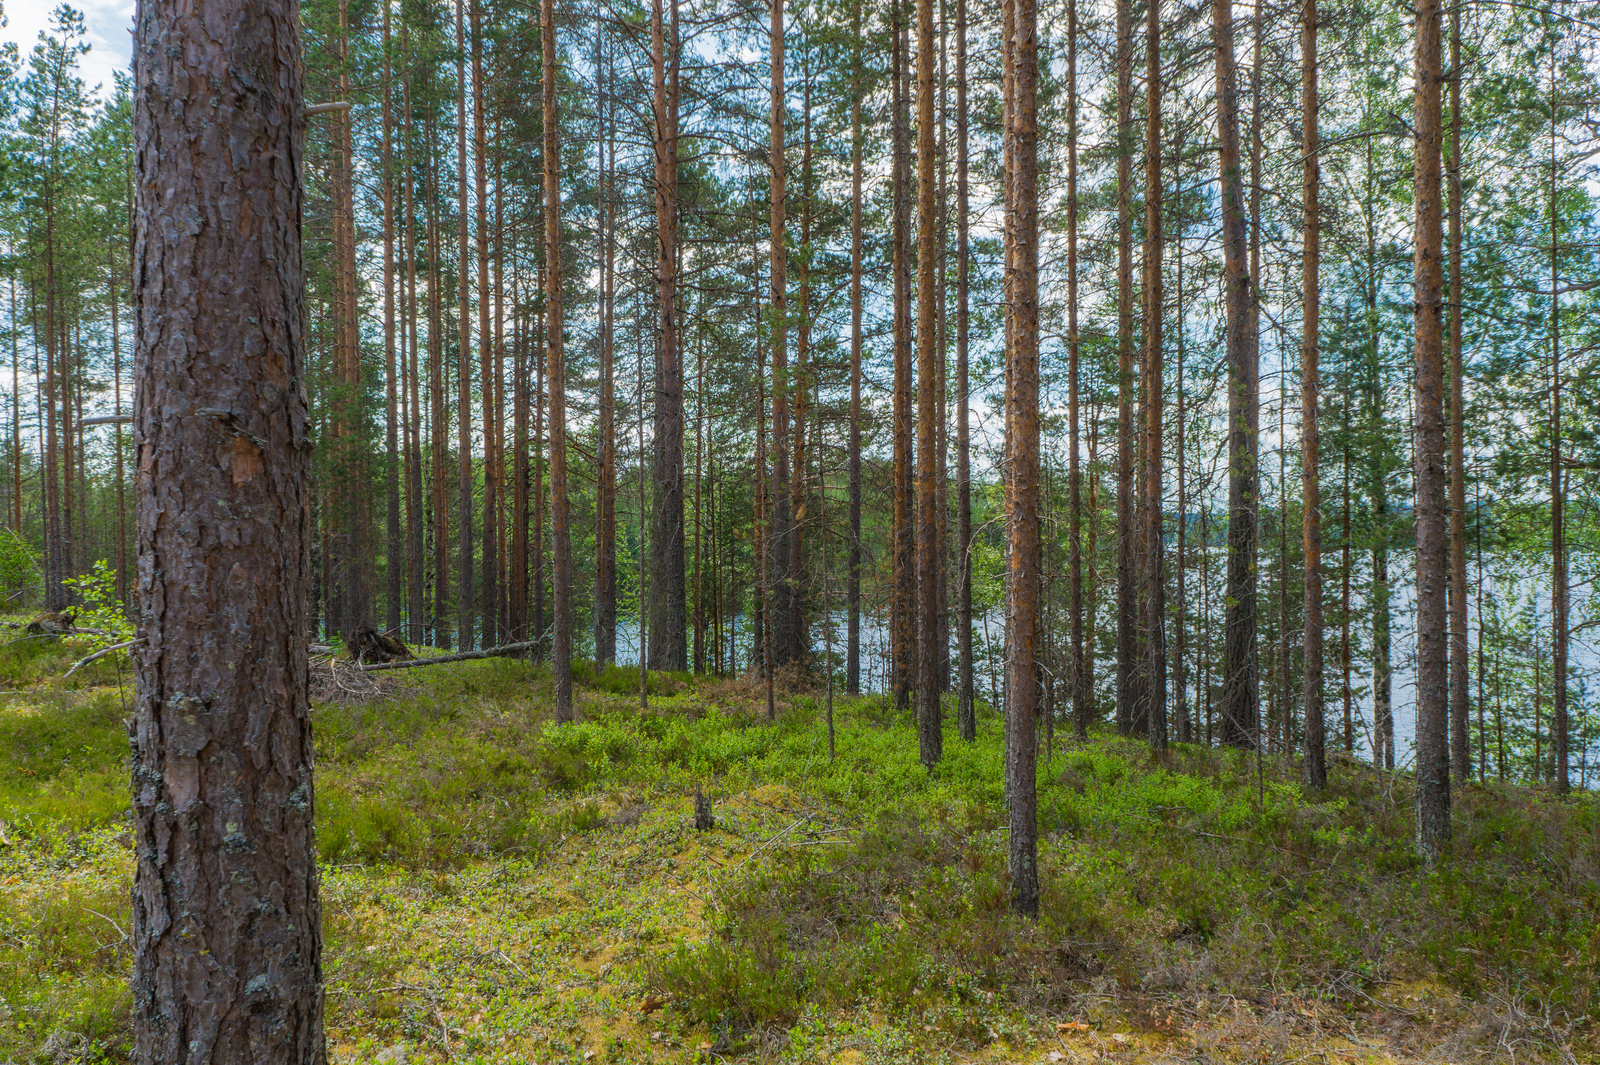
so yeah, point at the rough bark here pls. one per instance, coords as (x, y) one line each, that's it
(493, 452)
(1559, 595)
(226, 925)
(1433, 752)
(394, 552)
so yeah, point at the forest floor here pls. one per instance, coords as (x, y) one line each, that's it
(499, 889)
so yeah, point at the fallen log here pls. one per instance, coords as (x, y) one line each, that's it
(463, 656)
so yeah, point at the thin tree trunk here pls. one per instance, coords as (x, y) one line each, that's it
(1022, 397)
(560, 534)
(1433, 752)
(225, 887)
(966, 711)
(493, 453)
(393, 566)
(778, 312)
(1460, 745)
(929, 725)
(1127, 617)
(852, 682)
(903, 632)
(1154, 592)
(1081, 681)
(1240, 696)
(605, 598)
(1559, 599)
(1316, 770)
(436, 403)
(799, 643)
(464, 580)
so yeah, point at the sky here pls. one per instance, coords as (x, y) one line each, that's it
(108, 22)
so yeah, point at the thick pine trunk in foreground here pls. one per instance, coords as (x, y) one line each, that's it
(1433, 753)
(226, 919)
(1240, 692)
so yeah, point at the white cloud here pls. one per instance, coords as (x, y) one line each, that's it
(108, 23)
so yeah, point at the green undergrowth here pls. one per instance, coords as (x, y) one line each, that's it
(500, 887)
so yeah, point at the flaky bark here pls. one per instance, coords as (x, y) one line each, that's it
(852, 680)
(1460, 747)
(464, 478)
(965, 712)
(226, 925)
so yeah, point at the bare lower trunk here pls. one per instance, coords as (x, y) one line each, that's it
(226, 925)
(966, 712)
(1127, 617)
(929, 727)
(852, 682)
(1154, 590)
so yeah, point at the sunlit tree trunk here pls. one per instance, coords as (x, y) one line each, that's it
(560, 533)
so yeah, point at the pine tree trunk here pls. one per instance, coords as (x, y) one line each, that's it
(1316, 772)
(1240, 697)
(1154, 582)
(799, 642)
(1559, 597)
(226, 925)
(393, 552)
(605, 597)
(1081, 681)
(560, 534)
(668, 605)
(852, 681)
(778, 313)
(493, 453)
(1433, 752)
(966, 712)
(929, 725)
(1460, 745)
(1127, 618)
(436, 405)
(903, 632)
(1022, 488)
